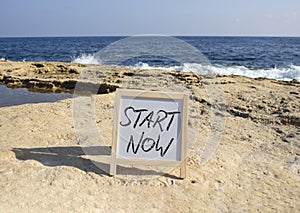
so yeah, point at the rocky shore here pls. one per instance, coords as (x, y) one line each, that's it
(255, 167)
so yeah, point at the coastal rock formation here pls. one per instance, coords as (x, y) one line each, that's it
(254, 167)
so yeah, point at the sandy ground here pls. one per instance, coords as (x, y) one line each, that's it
(46, 167)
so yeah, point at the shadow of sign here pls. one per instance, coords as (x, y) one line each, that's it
(74, 156)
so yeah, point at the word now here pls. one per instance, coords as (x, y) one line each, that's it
(147, 144)
(149, 118)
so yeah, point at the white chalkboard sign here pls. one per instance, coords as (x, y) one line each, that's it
(149, 128)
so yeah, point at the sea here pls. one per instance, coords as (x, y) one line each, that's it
(265, 57)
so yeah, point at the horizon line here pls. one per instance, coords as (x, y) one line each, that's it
(179, 35)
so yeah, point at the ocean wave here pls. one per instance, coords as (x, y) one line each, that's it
(288, 73)
(86, 59)
(145, 66)
(2, 59)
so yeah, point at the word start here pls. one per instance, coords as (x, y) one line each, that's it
(150, 119)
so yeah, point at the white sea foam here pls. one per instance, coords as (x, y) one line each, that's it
(2, 59)
(145, 66)
(288, 73)
(86, 59)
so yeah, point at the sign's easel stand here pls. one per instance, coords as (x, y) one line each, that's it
(184, 123)
(115, 162)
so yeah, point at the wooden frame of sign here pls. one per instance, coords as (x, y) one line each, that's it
(151, 130)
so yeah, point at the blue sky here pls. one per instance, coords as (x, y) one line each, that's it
(132, 17)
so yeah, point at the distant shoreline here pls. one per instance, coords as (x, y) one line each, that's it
(62, 77)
